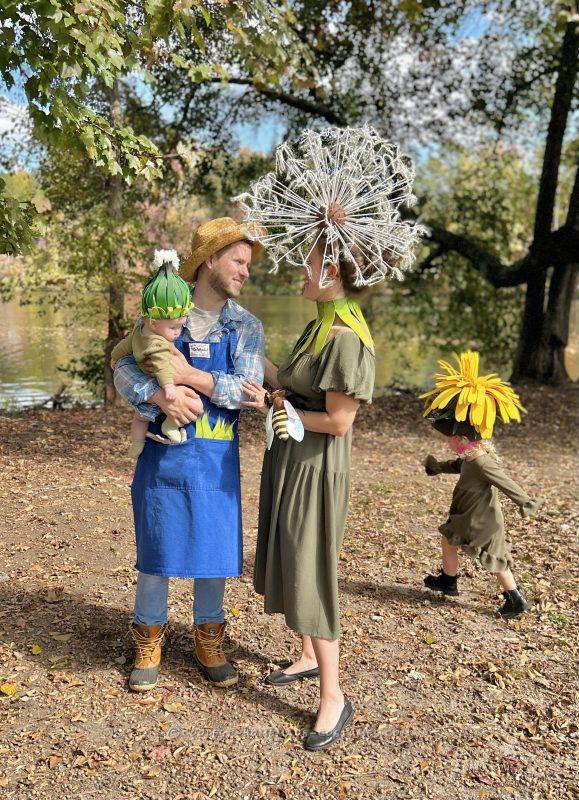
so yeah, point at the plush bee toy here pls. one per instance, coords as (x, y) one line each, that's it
(282, 420)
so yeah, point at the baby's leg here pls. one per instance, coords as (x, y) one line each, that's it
(139, 428)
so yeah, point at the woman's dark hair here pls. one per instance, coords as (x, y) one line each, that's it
(348, 271)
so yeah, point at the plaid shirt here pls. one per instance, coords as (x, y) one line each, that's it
(136, 387)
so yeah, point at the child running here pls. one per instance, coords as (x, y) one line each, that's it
(466, 407)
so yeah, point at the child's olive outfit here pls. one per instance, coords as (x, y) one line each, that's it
(155, 350)
(153, 355)
(475, 521)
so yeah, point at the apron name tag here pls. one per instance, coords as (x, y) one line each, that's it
(199, 350)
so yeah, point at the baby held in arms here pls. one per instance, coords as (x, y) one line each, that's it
(165, 302)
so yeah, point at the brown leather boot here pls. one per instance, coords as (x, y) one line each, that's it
(148, 641)
(210, 656)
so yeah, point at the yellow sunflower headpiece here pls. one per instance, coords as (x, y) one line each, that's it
(475, 397)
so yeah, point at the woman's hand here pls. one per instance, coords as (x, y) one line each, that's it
(113, 365)
(256, 394)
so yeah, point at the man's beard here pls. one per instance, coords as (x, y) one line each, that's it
(218, 286)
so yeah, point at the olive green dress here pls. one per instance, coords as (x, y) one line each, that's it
(475, 522)
(304, 493)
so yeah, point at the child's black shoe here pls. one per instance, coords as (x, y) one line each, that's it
(447, 584)
(515, 604)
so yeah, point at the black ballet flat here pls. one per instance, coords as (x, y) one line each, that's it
(281, 678)
(320, 740)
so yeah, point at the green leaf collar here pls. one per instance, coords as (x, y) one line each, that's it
(348, 311)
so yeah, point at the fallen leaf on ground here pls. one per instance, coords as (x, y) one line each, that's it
(482, 778)
(55, 594)
(173, 707)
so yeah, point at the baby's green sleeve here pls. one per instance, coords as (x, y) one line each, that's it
(123, 348)
(157, 353)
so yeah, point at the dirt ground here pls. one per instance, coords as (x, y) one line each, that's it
(450, 701)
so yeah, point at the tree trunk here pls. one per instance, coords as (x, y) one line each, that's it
(529, 355)
(115, 332)
(116, 306)
(555, 330)
(542, 339)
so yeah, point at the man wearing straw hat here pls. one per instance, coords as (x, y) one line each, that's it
(186, 497)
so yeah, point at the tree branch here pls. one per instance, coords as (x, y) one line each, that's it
(484, 260)
(556, 249)
(179, 126)
(301, 103)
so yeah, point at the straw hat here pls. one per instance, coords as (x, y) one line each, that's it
(212, 236)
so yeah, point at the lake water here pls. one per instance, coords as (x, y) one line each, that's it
(34, 345)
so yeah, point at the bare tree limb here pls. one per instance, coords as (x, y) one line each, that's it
(484, 260)
(315, 108)
(558, 247)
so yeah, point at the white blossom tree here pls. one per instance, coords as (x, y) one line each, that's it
(432, 75)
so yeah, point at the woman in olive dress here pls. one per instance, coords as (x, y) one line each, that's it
(305, 486)
(332, 207)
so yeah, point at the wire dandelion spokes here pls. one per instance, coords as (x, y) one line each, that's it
(343, 189)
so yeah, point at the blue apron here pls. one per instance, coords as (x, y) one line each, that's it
(187, 497)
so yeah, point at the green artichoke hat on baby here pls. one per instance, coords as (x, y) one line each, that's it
(166, 295)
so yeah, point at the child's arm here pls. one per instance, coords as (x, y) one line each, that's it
(170, 391)
(122, 348)
(495, 476)
(434, 467)
(157, 355)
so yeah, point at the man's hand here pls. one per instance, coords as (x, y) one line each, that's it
(184, 409)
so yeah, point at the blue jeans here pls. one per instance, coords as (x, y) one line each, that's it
(153, 592)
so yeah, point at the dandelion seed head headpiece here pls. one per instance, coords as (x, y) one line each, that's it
(341, 189)
(461, 394)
